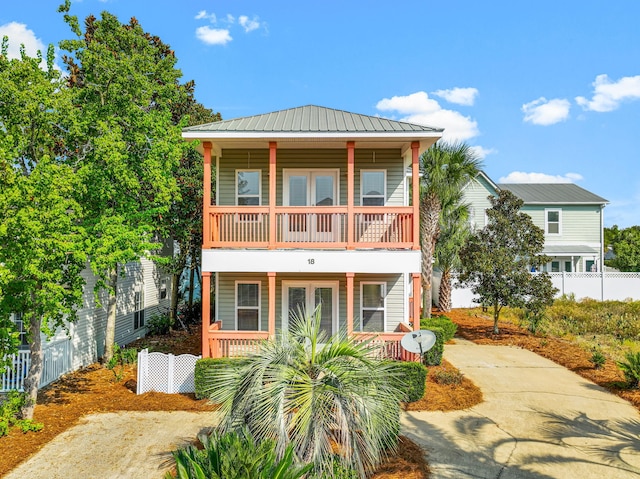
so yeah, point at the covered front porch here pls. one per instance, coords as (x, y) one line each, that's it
(252, 307)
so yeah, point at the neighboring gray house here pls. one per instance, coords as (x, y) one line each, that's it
(571, 217)
(143, 290)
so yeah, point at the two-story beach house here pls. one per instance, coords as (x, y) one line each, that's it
(311, 206)
(572, 219)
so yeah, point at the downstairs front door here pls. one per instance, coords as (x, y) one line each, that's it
(305, 297)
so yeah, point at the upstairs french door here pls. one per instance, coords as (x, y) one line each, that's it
(305, 297)
(311, 188)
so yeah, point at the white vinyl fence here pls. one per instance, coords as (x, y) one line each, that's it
(599, 285)
(58, 360)
(166, 373)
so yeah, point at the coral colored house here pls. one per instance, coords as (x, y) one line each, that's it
(311, 206)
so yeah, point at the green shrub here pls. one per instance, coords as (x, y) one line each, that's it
(120, 358)
(10, 414)
(597, 358)
(448, 377)
(235, 454)
(433, 357)
(631, 369)
(413, 377)
(159, 324)
(448, 327)
(203, 369)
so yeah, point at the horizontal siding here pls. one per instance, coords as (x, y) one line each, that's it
(476, 194)
(580, 224)
(387, 159)
(397, 310)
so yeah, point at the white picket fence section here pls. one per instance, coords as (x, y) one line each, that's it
(58, 360)
(602, 286)
(166, 373)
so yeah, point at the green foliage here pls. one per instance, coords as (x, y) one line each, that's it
(445, 168)
(205, 368)
(448, 376)
(10, 414)
(496, 261)
(433, 357)
(316, 393)
(631, 369)
(121, 357)
(626, 247)
(158, 324)
(597, 358)
(236, 455)
(413, 377)
(447, 326)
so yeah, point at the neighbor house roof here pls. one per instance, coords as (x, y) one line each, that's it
(310, 119)
(552, 193)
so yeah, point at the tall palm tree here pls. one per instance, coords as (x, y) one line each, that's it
(454, 231)
(445, 169)
(327, 396)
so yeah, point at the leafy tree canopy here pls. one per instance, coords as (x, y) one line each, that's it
(496, 261)
(626, 247)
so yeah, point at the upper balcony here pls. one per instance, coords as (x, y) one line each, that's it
(329, 227)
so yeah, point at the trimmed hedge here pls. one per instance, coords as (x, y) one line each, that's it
(448, 327)
(414, 376)
(204, 367)
(433, 357)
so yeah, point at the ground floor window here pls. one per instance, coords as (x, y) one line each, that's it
(22, 331)
(372, 306)
(248, 305)
(138, 310)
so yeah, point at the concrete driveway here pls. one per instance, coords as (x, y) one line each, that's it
(538, 420)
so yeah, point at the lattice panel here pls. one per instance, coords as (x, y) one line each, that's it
(166, 373)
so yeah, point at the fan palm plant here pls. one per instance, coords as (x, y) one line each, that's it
(445, 168)
(327, 396)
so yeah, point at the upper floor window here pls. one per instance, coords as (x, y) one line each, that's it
(248, 305)
(372, 306)
(248, 186)
(163, 288)
(553, 222)
(372, 187)
(22, 331)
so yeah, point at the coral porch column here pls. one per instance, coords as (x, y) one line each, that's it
(415, 197)
(206, 312)
(350, 303)
(272, 194)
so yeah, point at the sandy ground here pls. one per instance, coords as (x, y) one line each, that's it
(141, 441)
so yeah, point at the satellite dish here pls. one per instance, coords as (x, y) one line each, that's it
(418, 341)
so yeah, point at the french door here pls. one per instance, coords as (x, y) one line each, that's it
(310, 188)
(304, 297)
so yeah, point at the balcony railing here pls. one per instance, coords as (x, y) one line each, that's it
(295, 227)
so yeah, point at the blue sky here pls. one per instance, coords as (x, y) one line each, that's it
(546, 90)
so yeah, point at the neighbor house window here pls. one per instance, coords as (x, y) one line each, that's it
(248, 187)
(372, 306)
(248, 306)
(22, 331)
(163, 289)
(372, 187)
(138, 310)
(553, 223)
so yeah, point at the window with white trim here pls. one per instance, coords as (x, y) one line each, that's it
(553, 222)
(21, 328)
(372, 306)
(248, 187)
(138, 310)
(163, 289)
(373, 187)
(248, 305)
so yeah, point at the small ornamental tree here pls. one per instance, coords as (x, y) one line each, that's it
(497, 260)
(626, 248)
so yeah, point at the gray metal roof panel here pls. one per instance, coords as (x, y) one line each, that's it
(552, 193)
(311, 118)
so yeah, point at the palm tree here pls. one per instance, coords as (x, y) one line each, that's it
(445, 168)
(454, 231)
(327, 396)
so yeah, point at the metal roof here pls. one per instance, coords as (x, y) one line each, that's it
(553, 193)
(312, 119)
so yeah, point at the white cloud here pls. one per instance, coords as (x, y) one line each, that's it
(608, 95)
(483, 152)
(203, 15)
(460, 96)
(18, 34)
(419, 108)
(230, 18)
(546, 112)
(522, 177)
(213, 36)
(248, 24)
